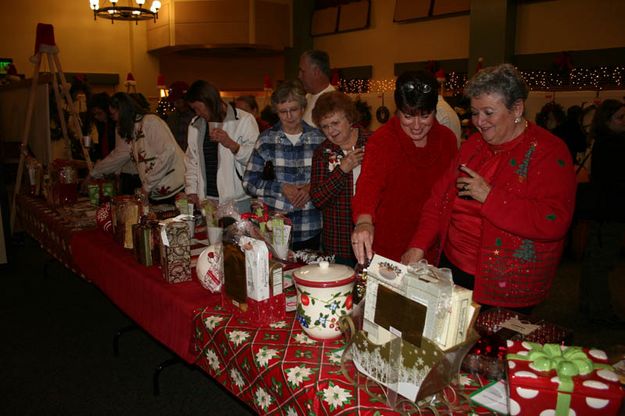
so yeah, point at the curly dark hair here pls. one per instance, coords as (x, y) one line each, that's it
(550, 108)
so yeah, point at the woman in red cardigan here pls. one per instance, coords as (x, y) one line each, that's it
(499, 215)
(402, 161)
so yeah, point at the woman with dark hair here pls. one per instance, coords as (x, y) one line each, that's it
(335, 171)
(103, 127)
(221, 139)
(498, 217)
(151, 147)
(402, 161)
(607, 227)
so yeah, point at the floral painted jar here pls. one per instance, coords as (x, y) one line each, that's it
(324, 294)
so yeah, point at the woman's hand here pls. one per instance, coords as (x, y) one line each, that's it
(472, 186)
(221, 136)
(194, 199)
(412, 255)
(297, 195)
(352, 159)
(362, 239)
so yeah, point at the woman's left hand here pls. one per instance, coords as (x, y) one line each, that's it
(221, 136)
(472, 186)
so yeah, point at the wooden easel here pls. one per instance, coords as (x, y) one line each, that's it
(46, 46)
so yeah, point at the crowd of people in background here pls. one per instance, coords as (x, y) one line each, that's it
(494, 207)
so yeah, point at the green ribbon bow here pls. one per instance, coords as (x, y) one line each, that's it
(567, 363)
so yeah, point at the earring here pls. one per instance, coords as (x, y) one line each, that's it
(517, 120)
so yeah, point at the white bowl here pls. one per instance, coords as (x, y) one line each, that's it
(324, 294)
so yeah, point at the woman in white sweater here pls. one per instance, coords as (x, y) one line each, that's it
(220, 141)
(151, 147)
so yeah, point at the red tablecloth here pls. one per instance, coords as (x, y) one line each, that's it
(162, 309)
(277, 369)
(53, 227)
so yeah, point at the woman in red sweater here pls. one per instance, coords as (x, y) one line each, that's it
(402, 161)
(499, 215)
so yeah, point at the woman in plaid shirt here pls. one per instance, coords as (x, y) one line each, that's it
(335, 170)
(278, 171)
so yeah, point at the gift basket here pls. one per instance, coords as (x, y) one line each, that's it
(411, 333)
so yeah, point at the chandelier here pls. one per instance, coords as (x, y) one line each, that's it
(110, 10)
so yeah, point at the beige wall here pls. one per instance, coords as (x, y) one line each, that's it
(547, 26)
(85, 45)
(544, 26)
(386, 43)
(561, 25)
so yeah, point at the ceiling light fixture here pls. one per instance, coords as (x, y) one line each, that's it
(110, 10)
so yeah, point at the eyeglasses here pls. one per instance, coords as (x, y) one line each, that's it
(288, 111)
(332, 125)
(416, 86)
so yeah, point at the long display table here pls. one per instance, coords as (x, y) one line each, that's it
(278, 370)
(163, 310)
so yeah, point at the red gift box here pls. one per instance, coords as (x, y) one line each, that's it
(551, 379)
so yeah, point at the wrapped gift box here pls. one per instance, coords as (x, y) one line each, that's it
(175, 251)
(432, 306)
(503, 324)
(124, 213)
(253, 284)
(560, 380)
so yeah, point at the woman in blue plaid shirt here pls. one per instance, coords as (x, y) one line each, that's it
(279, 169)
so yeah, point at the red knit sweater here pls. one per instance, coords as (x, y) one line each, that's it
(524, 218)
(396, 180)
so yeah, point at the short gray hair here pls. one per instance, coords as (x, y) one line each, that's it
(287, 91)
(502, 79)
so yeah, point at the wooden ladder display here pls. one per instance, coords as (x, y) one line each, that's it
(45, 46)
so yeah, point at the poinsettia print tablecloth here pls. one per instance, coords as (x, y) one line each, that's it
(277, 369)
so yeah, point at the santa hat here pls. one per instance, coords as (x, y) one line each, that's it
(44, 41)
(440, 75)
(160, 82)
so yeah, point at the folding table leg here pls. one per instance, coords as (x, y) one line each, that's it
(157, 372)
(131, 327)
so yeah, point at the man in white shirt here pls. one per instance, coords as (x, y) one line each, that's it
(315, 74)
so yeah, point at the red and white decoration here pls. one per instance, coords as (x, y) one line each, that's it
(533, 392)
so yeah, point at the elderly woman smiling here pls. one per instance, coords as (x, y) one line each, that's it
(499, 216)
(335, 171)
